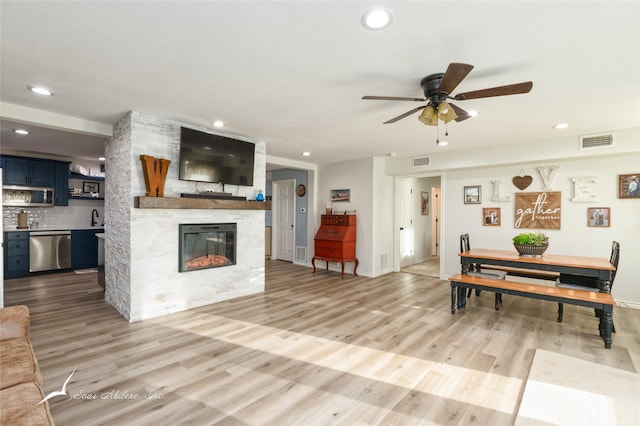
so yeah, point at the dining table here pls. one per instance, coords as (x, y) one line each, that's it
(541, 267)
(599, 268)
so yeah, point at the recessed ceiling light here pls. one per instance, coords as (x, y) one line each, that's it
(441, 143)
(41, 91)
(21, 131)
(561, 126)
(218, 123)
(101, 158)
(473, 113)
(376, 19)
(306, 154)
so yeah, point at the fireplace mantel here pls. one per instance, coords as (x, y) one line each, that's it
(198, 203)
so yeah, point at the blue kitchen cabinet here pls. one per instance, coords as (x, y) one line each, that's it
(28, 171)
(15, 171)
(16, 254)
(84, 248)
(61, 189)
(42, 173)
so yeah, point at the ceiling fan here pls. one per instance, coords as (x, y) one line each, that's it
(437, 90)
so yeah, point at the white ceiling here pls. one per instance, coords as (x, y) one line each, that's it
(292, 74)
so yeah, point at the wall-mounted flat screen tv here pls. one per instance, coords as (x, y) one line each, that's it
(206, 157)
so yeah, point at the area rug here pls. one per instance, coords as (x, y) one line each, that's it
(562, 390)
(85, 271)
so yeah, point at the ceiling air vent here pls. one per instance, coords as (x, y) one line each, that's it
(595, 141)
(421, 161)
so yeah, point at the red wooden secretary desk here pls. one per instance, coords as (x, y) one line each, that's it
(335, 241)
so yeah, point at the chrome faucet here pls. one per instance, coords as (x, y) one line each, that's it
(94, 222)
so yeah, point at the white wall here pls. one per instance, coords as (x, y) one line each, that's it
(370, 189)
(626, 141)
(383, 216)
(357, 176)
(574, 237)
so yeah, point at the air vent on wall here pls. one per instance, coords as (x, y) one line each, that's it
(383, 261)
(596, 141)
(301, 254)
(421, 161)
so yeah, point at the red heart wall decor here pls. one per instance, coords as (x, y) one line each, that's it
(522, 182)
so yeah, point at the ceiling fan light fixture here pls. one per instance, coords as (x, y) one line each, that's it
(376, 19)
(429, 116)
(446, 113)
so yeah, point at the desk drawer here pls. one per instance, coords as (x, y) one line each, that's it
(335, 249)
(338, 219)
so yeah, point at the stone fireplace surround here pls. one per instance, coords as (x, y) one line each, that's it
(141, 270)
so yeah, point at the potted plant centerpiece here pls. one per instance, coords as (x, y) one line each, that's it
(531, 243)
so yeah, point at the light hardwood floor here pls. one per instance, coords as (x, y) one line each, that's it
(312, 350)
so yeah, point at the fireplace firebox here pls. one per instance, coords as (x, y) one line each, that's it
(205, 246)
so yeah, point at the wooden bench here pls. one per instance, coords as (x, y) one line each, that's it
(526, 273)
(603, 302)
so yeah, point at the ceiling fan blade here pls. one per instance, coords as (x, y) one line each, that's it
(393, 98)
(511, 89)
(455, 73)
(406, 114)
(462, 114)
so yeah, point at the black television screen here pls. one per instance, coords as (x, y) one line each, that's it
(206, 157)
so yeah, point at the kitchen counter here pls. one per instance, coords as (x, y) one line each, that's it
(70, 228)
(52, 248)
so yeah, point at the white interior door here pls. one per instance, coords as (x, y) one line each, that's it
(283, 219)
(406, 223)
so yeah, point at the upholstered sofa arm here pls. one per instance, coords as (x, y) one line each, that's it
(14, 322)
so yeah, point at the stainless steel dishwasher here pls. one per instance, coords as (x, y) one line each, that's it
(49, 250)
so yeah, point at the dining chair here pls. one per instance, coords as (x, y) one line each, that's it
(579, 282)
(475, 269)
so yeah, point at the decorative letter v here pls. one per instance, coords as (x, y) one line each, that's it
(547, 174)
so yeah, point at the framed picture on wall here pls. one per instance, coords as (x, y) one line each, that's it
(472, 194)
(629, 186)
(340, 195)
(491, 216)
(424, 203)
(599, 217)
(90, 187)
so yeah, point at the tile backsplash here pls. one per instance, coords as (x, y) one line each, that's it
(76, 215)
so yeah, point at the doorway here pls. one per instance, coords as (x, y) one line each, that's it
(283, 223)
(419, 225)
